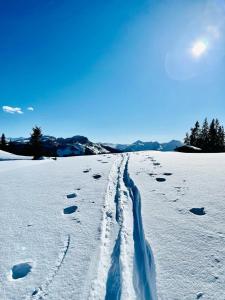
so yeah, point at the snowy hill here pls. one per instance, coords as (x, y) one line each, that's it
(144, 225)
(4, 156)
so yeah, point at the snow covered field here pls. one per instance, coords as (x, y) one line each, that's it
(145, 225)
(5, 156)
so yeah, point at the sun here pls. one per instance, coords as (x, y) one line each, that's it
(199, 48)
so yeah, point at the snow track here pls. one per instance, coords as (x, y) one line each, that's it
(126, 266)
(144, 268)
(42, 291)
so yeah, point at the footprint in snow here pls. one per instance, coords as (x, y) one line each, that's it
(175, 200)
(217, 260)
(109, 214)
(70, 210)
(96, 176)
(87, 171)
(199, 295)
(200, 211)
(21, 270)
(160, 179)
(156, 164)
(77, 220)
(178, 188)
(152, 174)
(70, 196)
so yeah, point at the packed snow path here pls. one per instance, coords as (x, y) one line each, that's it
(126, 266)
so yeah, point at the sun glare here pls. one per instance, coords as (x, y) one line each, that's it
(198, 49)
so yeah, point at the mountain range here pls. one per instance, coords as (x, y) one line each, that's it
(142, 146)
(81, 145)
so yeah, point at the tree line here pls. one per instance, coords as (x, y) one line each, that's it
(210, 137)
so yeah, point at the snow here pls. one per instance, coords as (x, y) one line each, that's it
(9, 156)
(145, 225)
(66, 150)
(188, 249)
(61, 248)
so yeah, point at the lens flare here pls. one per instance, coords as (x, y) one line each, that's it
(199, 48)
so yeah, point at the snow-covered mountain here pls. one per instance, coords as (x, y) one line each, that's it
(120, 147)
(81, 145)
(171, 146)
(52, 146)
(142, 146)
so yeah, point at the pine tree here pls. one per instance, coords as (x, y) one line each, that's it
(204, 135)
(221, 139)
(3, 141)
(187, 139)
(212, 136)
(10, 146)
(195, 135)
(35, 141)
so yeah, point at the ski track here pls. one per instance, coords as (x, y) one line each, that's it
(107, 234)
(42, 291)
(126, 267)
(144, 267)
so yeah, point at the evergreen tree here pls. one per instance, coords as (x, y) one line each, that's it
(212, 135)
(210, 138)
(195, 135)
(35, 141)
(221, 138)
(187, 139)
(204, 135)
(3, 141)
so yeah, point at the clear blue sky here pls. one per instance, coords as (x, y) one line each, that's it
(115, 71)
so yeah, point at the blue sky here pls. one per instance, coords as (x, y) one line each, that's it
(115, 71)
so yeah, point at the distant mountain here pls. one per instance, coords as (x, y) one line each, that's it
(171, 146)
(80, 145)
(142, 146)
(119, 147)
(52, 146)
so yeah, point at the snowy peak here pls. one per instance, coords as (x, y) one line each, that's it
(142, 146)
(171, 146)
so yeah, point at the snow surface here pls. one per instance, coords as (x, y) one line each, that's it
(113, 227)
(188, 249)
(9, 156)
